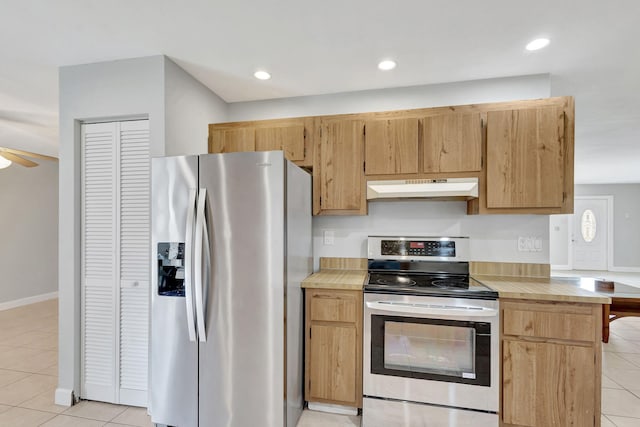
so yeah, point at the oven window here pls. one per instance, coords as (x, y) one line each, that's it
(434, 349)
(438, 349)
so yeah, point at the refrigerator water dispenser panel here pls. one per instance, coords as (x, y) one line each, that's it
(171, 269)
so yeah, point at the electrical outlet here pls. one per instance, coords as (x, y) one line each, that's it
(537, 244)
(328, 237)
(522, 247)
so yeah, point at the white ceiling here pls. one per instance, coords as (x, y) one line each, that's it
(333, 46)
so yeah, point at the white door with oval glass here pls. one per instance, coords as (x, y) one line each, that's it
(590, 233)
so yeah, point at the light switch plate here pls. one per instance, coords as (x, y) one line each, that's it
(328, 237)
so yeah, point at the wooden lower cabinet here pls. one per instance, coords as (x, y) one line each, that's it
(333, 351)
(549, 381)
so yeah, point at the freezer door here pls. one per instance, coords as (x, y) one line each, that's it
(242, 362)
(174, 357)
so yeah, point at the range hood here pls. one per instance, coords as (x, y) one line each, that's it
(444, 189)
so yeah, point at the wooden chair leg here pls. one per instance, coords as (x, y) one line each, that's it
(605, 322)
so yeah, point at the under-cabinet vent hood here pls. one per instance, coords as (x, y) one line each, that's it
(445, 189)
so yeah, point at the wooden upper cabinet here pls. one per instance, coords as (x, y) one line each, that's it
(452, 143)
(293, 136)
(232, 140)
(526, 158)
(391, 146)
(288, 139)
(521, 152)
(338, 169)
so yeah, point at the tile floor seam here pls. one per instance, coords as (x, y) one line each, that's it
(75, 416)
(80, 416)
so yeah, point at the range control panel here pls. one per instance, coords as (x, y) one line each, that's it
(419, 248)
(425, 248)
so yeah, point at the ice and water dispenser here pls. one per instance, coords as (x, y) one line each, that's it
(171, 269)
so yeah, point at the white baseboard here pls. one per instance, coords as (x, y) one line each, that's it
(560, 267)
(64, 397)
(625, 269)
(26, 301)
(334, 409)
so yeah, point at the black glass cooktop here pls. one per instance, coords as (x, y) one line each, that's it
(433, 284)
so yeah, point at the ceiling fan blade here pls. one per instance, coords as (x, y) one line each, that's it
(17, 159)
(28, 154)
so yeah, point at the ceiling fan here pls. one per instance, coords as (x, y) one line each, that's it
(9, 155)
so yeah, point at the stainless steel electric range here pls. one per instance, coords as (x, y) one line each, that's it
(430, 355)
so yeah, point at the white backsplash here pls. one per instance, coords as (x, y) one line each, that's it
(492, 237)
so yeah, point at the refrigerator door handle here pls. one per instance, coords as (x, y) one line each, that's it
(202, 239)
(188, 268)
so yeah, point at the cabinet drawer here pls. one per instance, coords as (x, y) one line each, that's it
(555, 321)
(333, 306)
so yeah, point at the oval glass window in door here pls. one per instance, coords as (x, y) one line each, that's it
(588, 225)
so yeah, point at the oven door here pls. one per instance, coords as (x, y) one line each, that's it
(433, 350)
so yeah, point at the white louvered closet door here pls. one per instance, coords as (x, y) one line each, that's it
(116, 263)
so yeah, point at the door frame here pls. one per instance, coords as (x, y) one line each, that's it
(570, 224)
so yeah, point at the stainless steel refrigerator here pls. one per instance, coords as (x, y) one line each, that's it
(231, 243)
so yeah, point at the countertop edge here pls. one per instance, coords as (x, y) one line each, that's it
(551, 292)
(336, 279)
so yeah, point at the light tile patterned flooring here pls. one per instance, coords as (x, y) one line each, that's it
(28, 376)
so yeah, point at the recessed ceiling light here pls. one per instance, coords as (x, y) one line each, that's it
(262, 75)
(387, 65)
(537, 44)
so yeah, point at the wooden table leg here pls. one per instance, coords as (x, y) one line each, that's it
(605, 322)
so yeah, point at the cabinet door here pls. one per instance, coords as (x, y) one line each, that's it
(341, 175)
(332, 363)
(232, 140)
(452, 143)
(548, 384)
(391, 146)
(288, 139)
(525, 158)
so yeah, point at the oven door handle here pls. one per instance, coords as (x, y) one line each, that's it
(432, 309)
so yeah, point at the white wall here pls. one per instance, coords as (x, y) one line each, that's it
(29, 218)
(152, 87)
(477, 91)
(492, 237)
(626, 225)
(101, 91)
(189, 108)
(626, 221)
(559, 234)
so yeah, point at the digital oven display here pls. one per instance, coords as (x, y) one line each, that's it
(422, 248)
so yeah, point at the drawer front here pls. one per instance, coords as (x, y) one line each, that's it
(333, 306)
(554, 321)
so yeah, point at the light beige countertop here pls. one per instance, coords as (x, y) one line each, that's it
(542, 289)
(336, 279)
(351, 274)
